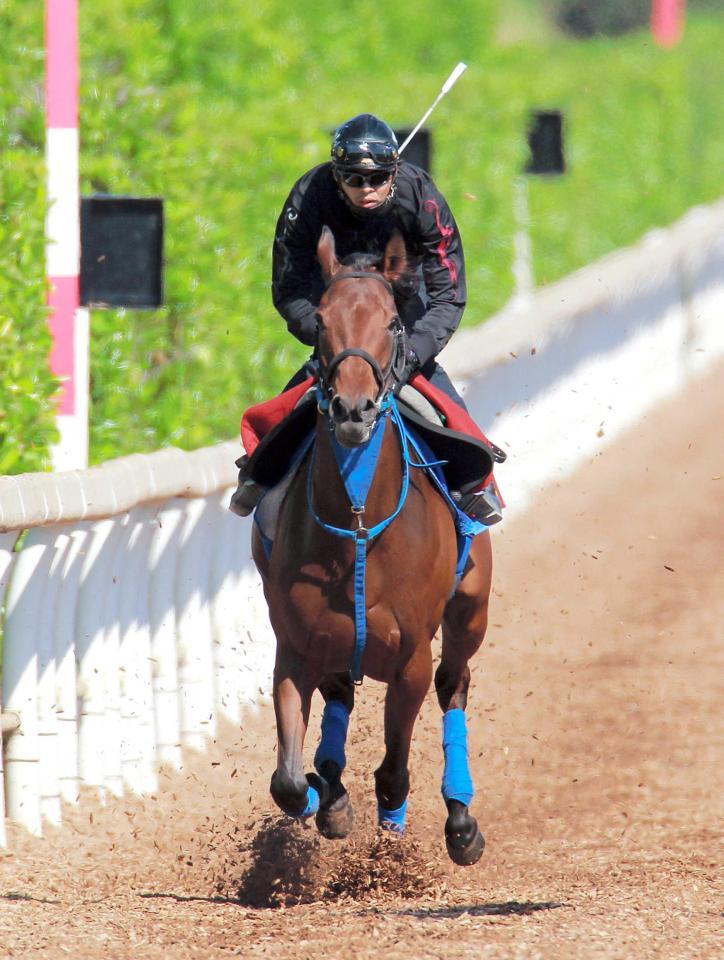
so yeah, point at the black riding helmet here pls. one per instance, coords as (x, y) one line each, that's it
(365, 143)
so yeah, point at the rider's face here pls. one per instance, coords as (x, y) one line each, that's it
(367, 196)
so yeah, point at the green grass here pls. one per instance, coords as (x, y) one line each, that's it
(220, 111)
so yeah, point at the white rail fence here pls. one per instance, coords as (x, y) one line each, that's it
(132, 622)
(133, 616)
(589, 355)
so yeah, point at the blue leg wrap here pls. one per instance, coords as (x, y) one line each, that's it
(312, 803)
(335, 721)
(392, 820)
(457, 784)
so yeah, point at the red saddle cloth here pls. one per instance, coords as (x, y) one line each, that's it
(259, 422)
(263, 417)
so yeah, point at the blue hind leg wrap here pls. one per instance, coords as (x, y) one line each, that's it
(457, 784)
(335, 721)
(392, 820)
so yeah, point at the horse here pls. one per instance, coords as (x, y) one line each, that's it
(405, 537)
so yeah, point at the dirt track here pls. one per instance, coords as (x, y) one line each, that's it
(596, 747)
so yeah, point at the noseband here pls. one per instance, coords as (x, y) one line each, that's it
(396, 364)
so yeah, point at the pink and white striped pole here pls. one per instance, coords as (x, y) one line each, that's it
(667, 21)
(69, 323)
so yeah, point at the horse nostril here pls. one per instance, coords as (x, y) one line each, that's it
(340, 410)
(365, 409)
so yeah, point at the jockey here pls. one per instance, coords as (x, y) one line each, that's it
(365, 194)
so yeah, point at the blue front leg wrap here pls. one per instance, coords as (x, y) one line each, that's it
(392, 820)
(457, 784)
(312, 803)
(335, 721)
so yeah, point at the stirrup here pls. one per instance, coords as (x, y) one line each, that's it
(484, 505)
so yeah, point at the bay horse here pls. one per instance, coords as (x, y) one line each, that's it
(311, 576)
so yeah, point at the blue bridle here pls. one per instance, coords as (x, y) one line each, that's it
(358, 464)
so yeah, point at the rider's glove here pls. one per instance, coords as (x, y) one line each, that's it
(412, 365)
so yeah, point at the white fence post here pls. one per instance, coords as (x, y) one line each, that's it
(195, 653)
(65, 663)
(7, 557)
(56, 543)
(224, 609)
(20, 679)
(163, 557)
(138, 743)
(96, 750)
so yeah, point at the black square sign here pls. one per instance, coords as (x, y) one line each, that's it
(121, 260)
(419, 151)
(545, 139)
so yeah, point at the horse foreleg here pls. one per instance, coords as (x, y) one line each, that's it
(335, 818)
(296, 794)
(402, 705)
(464, 623)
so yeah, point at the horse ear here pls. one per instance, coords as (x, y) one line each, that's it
(326, 254)
(395, 263)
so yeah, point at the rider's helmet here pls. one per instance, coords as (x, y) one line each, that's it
(365, 143)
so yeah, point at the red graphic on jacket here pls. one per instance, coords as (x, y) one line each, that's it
(447, 234)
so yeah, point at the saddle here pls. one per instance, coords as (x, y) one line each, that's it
(272, 432)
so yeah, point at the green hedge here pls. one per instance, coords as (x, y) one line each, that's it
(219, 107)
(27, 420)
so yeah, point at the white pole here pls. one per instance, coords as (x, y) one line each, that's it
(69, 323)
(446, 88)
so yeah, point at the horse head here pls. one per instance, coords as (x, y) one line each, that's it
(360, 338)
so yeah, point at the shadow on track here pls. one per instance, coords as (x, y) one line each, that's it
(511, 908)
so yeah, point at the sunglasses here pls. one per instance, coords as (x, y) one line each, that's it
(357, 180)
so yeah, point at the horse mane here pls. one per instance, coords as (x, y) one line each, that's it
(370, 262)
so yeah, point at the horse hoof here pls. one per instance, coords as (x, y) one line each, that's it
(336, 820)
(469, 854)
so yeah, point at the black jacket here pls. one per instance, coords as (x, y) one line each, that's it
(417, 209)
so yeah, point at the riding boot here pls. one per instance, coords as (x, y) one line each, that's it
(485, 506)
(248, 493)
